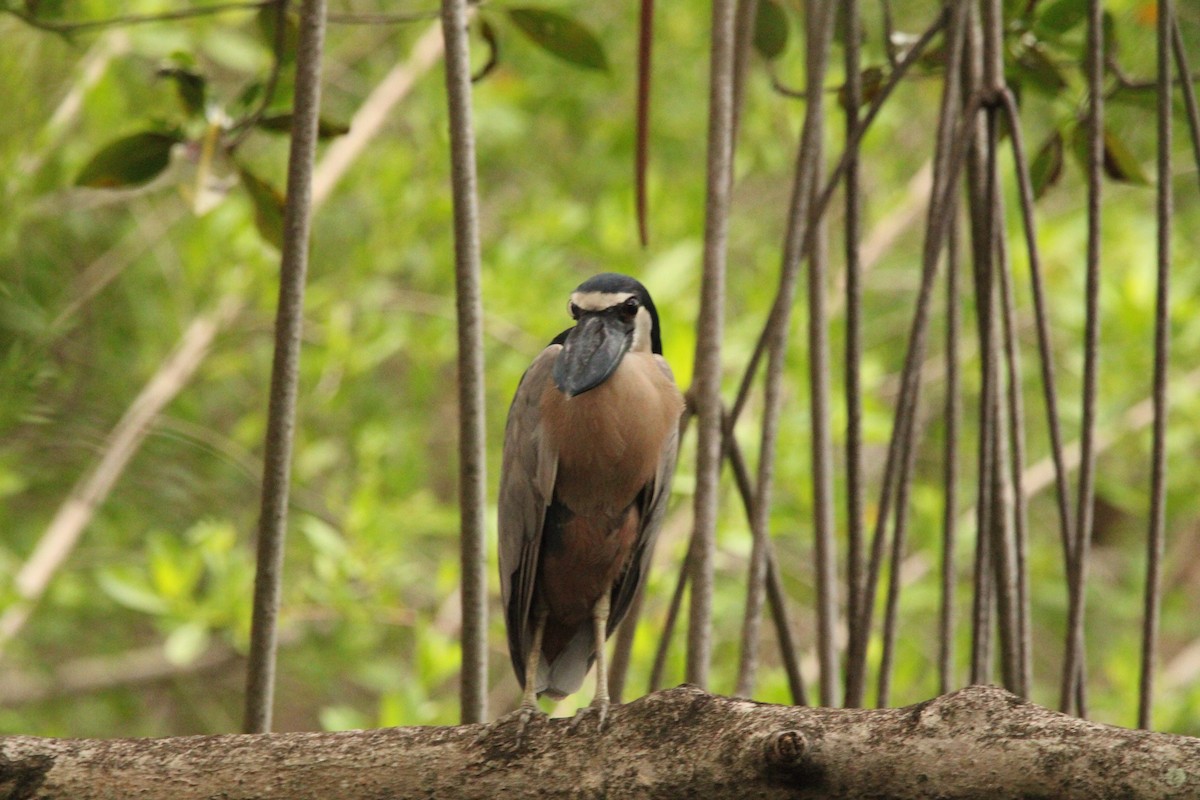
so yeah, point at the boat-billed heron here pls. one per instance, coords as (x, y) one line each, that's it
(589, 451)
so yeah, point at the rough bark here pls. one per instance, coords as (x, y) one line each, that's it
(980, 742)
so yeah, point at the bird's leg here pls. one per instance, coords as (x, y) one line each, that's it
(529, 704)
(600, 634)
(529, 700)
(600, 700)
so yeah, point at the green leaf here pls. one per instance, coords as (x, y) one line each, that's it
(131, 591)
(268, 16)
(770, 30)
(1036, 69)
(191, 86)
(1112, 45)
(1047, 166)
(488, 34)
(1059, 16)
(1120, 164)
(45, 9)
(282, 123)
(268, 206)
(131, 161)
(560, 36)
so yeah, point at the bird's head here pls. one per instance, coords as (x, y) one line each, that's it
(613, 314)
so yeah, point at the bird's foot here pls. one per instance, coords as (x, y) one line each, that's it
(598, 709)
(520, 719)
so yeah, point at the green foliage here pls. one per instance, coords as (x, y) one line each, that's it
(1047, 165)
(129, 161)
(96, 289)
(560, 36)
(770, 30)
(268, 206)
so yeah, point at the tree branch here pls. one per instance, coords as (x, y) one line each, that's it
(977, 742)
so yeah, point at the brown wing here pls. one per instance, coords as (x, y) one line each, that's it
(527, 475)
(653, 506)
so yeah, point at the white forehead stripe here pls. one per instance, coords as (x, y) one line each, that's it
(598, 301)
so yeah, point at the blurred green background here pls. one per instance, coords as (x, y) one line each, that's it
(139, 632)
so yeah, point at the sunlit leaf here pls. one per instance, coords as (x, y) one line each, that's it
(268, 206)
(770, 29)
(282, 123)
(561, 36)
(130, 161)
(174, 572)
(185, 644)
(1047, 166)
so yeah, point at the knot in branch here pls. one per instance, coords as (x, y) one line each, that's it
(787, 749)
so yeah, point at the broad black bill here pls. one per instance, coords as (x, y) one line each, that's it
(591, 353)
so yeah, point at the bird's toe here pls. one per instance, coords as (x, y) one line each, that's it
(596, 711)
(518, 722)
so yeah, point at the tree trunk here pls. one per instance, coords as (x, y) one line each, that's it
(974, 743)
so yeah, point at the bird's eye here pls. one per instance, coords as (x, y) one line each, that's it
(574, 309)
(630, 307)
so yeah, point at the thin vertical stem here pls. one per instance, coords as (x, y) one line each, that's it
(820, 16)
(998, 534)
(1077, 567)
(899, 536)
(946, 617)
(471, 443)
(1022, 631)
(1009, 450)
(641, 162)
(853, 232)
(981, 240)
(285, 367)
(1162, 357)
(707, 381)
(747, 13)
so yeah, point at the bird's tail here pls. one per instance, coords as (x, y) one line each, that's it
(564, 675)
